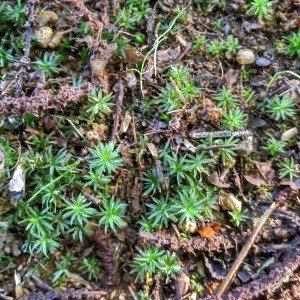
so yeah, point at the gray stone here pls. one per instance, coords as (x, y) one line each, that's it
(262, 62)
(245, 57)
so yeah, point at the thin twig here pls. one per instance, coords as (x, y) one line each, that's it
(41, 284)
(177, 90)
(214, 147)
(119, 104)
(28, 34)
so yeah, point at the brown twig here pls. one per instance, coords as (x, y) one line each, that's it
(28, 34)
(271, 281)
(239, 260)
(178, 90)
(41, 284)
(150, 25)
(119, 103)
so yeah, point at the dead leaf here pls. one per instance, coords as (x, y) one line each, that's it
(261, 175)
(125, 123)
(152, 148)
(214, 179)
(99, 61)
(295, 184)
(215, 266)
(16, 185)
(162, 57)
(133, 56)
(209, 230)
(183, 283)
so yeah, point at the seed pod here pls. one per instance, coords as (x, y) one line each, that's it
(43, 35)
(45, 17)
(56, 39)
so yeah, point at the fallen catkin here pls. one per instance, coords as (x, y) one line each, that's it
(45, 100)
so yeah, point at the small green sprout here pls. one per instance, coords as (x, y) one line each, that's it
(112, 214)
(38, 223)
(215, 48)
(105, 158)
(44, 244)
(274, 146)
(228, 154)
(217, 25)
(161, 212)
(170, 268)
(98, 105)
(146, 225)
(280, 109)
(154, 262)
(292, 47)
(147, 261)
(234, 119)
(48, 64)
(288, 168)
(178, 168)
(231, 45)
(188, 207)
(78, 211)
(16, 13)
(63, 266)
(260, 8)
(91, 267)
(226, 99)
(96, 180)
(197, 163)
(238, 216)
(199, 43)
(152, 183)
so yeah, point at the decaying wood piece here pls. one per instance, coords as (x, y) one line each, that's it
(44, 100)
(218, 243)
(65, 295)
(219, 134)
(105, 252)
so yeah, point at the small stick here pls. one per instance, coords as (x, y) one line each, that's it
(119, 103)
(213, 147)
(219, 134)
(177, 90)
(239, 260)
(41, 284)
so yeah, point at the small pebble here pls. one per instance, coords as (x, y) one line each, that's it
(262, 62)
(230, 202)
(245, 57)
(288, 134)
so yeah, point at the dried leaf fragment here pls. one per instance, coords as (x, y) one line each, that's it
(209, 230)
